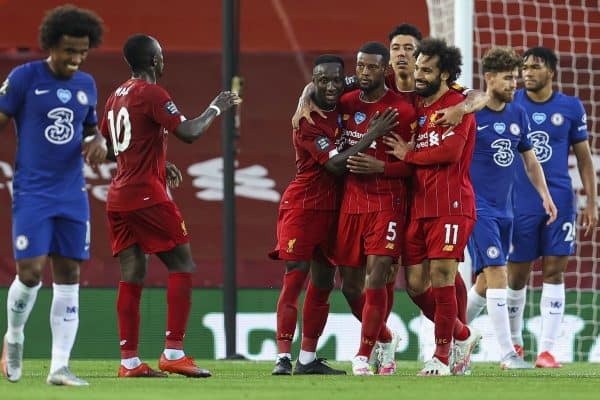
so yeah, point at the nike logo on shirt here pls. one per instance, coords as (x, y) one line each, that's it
(479, 128)
(41, 91)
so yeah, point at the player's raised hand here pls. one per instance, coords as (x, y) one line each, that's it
(173, 174)
(362, 163)
(225, 100)
(550, 208)
(94, 149)
(589, 217)
(382, 123)
(398, 146)
(305, 106)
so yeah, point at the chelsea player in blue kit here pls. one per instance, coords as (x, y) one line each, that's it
(558, 123)
(53, 106)
(502, 129)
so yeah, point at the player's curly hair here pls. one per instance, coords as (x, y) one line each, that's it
(545, 54)
(72, 21)
(406, 29)
(500, 59)
(449, 60)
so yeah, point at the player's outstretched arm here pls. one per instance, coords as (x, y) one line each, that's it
(537, 179)
(379, 125)
(451, 116)
(190, 130)
(585, 166)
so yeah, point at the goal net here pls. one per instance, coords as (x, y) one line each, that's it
(572, 29)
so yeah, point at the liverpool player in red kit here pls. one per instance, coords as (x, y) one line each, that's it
(404, 39)
(443, 205)
(308, 217)
(372, 215)
(142, 218)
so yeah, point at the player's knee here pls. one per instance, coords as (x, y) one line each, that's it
(322, 281)
(376, 280)
(189, 267)
(67, 276)
(517, 281)
(553, 277)
(415, 286)
(351, 292)
(29, 275)
(297, 265)
(133, 275)
(30, 278)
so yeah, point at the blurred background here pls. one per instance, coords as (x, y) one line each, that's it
(278, 42)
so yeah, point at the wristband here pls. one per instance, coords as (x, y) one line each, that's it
(217, 109)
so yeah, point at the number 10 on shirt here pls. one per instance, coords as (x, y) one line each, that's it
(122, 123)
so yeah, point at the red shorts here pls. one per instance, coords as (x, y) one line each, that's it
(360, 235)
(431, 238)
(300, 232)
(155, 229)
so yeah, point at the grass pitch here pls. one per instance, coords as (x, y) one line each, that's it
(253, 380)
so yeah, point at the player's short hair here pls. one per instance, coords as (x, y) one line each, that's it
(547, 55)
(139, 51)
(449, 57)
(499, 59)
(328, 58)
(376, 48)
(71, 21)
(406, 29)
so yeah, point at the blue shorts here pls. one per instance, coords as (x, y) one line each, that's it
(532, 238)
(489, 243)
(43, 227)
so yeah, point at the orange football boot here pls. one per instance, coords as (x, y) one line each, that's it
(546, 360)
(141, 371)
(183, 366)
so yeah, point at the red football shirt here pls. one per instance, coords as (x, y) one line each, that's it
(137, 118)
(314, 187)
(375, 192)
(443, 189)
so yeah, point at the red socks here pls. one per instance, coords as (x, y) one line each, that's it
(426, 302)
(373, 318)
(314, 316)
(461, 298)
(357, 306)
(128, 314)
(287, 308)
(179, 303)
(444, 319)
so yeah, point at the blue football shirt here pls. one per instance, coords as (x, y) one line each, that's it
(501, 136)
(556, 125)
(49, 116)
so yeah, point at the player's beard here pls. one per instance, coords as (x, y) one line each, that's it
(504, 96)
(431, 88)
(372, 86)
